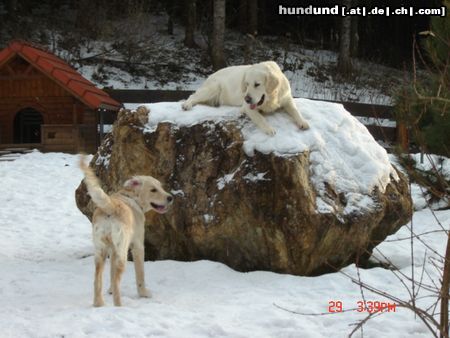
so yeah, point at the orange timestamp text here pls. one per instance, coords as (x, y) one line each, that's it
(362, 306)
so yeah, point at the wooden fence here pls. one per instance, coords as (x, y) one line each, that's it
(378, 119)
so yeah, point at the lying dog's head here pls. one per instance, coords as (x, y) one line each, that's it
(149, 194)
(258, 84)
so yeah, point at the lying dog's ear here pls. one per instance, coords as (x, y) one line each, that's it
(243, 85)
(132, 183)
(272, 82)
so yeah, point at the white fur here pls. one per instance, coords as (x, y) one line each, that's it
(230, 86)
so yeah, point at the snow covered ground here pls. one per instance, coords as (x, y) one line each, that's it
(47, 268)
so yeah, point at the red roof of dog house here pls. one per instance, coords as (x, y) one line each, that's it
(63, 74)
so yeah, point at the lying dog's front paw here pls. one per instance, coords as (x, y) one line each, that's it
(270, 131)
(144, 293)
(303, 125)
(186, 105)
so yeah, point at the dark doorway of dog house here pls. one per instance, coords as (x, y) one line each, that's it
(27, 126)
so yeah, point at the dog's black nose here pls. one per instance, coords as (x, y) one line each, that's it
(248, 99)
(169, 199)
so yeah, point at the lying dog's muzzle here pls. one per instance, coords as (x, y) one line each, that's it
(260, 102)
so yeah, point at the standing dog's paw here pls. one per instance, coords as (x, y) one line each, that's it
(144, 293)
(186, 105)
(99, 303)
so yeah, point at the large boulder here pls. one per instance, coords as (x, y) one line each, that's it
(301, 202)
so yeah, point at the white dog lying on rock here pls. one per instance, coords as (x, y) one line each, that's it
(258, 89)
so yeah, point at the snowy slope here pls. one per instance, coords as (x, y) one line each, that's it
(163, 62)
(47, 277)
(343, 153)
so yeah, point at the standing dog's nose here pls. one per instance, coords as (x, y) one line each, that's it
(248, 99)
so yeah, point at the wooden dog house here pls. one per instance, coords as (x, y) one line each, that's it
(46, 104)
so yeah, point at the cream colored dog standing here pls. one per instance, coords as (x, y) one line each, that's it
(258, 89)
(118, 223)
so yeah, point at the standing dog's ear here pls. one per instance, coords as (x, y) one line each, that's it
(272, 82)
(132, 183)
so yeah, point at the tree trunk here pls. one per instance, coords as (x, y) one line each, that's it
(191, 19)
(218, 34)
(252, 17)
(170, 12)
(248, 17)
(444, 292)
(344, 61)
(354, 37)
(243, 16)
(11, 6)
(355, 33)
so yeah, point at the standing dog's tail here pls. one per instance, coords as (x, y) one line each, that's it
(99, 197)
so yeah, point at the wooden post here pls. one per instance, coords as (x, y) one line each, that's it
(402, 136)
(101, 111)
(75, 132)
(75, 139)
(43, 137)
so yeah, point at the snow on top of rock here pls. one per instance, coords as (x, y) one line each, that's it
(343, 153)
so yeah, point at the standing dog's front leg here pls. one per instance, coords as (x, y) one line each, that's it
(291, 109)
(259, 120)
(138, 258)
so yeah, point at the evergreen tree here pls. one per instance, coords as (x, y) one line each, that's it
(425, 103)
